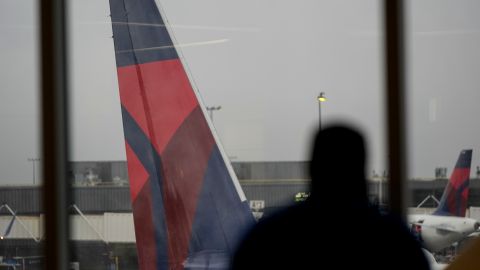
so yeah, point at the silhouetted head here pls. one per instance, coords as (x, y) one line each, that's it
(337, 166)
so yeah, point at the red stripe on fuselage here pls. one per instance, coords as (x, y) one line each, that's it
(159, 96)
(185, 160)
(144, 229)
(136, 173)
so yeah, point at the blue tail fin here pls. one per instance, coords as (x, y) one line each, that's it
(455, 196)
(189, 210)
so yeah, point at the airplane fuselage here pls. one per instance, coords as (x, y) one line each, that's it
(438, 232)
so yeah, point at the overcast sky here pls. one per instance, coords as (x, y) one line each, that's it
(264, 62)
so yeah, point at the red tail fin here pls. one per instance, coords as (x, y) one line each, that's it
(187, 204)
(455, 196)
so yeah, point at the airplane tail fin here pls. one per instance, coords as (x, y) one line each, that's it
(188, 207)
(455, 195)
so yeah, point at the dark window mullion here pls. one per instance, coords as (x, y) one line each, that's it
(54, 131)
(395, 102)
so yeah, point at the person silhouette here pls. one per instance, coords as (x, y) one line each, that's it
(335, 227)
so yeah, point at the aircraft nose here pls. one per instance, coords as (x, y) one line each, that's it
(476, 226)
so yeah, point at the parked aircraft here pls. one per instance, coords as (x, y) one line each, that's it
(448, 223)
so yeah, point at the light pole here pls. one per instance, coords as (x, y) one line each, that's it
(321, 98)
(33, 160)
(211, 109)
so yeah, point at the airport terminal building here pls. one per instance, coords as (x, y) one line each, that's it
(102, 229)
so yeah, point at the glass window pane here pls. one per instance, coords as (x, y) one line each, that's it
(257, 68)
(442, 58)
(20, 154)
(101, 219)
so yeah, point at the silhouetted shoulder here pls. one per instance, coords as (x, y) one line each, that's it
(280, 241)
(395, 246)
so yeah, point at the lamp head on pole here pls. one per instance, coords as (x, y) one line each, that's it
(321, 97)
(213, 108)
